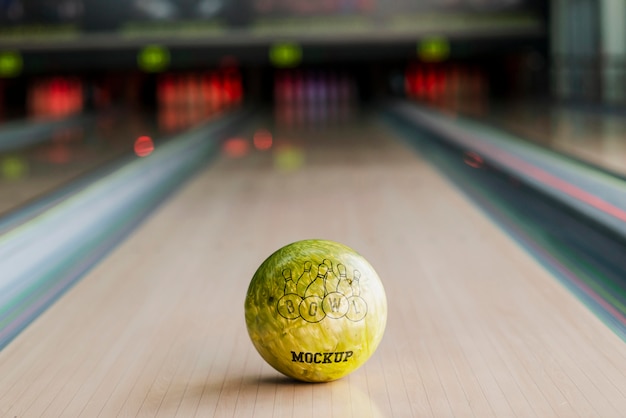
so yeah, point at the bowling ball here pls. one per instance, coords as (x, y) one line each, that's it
(315, 310)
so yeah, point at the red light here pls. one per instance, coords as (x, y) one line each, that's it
(143, 146)
(236, 88)
(166, 90)
(430, 83)
(55, 97)
(236, 147)
(262, 139)
(473, 160)
(419, 83)
(217, 91)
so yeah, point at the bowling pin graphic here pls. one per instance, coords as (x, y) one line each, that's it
(357, 307)
(345, 285)
(355, 285)
(332, 281)
(305, 279)
(288, 305)
(311, 309)
(290, 285)
(318, 285)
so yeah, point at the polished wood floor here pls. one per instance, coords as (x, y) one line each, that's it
(476, 327)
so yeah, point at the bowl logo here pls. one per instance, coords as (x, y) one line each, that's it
(325, 294)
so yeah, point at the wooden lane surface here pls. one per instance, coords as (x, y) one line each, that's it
(476, 327)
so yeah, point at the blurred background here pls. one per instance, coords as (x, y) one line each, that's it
(114, 75)
(109, 50)
(342, 119)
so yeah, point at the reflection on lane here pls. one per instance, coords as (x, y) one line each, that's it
(308, 104)
(70, 151)
(50, 158)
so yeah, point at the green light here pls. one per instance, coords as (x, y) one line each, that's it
(13, 167)
(285, 55)
(153, 58)
(433, 49)
(289, 158)
(10, 63)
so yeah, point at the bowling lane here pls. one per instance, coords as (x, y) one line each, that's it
(476, 326)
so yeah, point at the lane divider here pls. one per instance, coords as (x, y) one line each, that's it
(594, 193)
